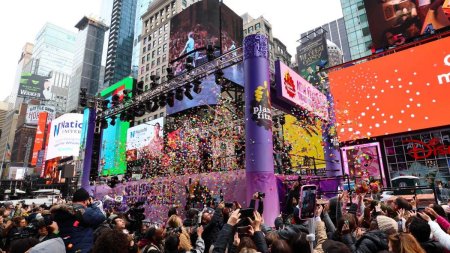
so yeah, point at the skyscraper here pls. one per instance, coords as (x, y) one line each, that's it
(357, 27)
(120, 43)
(336, 33)
(53, 50)
(87, 60)
(141, 9)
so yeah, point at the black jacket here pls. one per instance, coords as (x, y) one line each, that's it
(211, 230)
(227, 232)
(432, 247)
(370, 242)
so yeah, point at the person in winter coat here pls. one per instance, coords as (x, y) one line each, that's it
(77, 222)
(50, 246)
(422, 231)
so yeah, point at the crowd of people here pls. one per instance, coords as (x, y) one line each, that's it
(345, 223)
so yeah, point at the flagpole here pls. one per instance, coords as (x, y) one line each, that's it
(3, 159)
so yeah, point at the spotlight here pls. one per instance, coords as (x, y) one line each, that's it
(179, 93)
(126, 95)
(113, 120)
(153, 85)
(162, 100)
(155, 105)
(171, 98)
(115, 99)
(139, 111)
(219, 76)
(187, 91)
(104, 105)
(123, 116)
(170, 74)
(154, 78)
(197, 86)
(140, 87)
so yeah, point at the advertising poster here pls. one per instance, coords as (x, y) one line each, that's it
(396, 22)
(383, 97)
(35, 86)
(363, 162)
(145, 140)
(33, 112)
(114, 137)
(296, 91)
(309, 56)
(65, 135)
(39, 137)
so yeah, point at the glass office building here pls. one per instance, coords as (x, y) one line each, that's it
(53, 50)
(357, 27)
(120, 44)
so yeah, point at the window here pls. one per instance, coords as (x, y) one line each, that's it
(159, 51)
(153, 53)
(165, 36)
(160, 30)
(166, 27)
(161, 114)
(148, 57)
(154, 43)
(143, 60)
(366, 31)
(245, 32)
(250, 29)
(153, 63)
(149, 47)
(164, 47)
(147, 67)
(155, 116)
(257, 26)
(159, 40)
(145, 40)
(143, 49)
(158, 61)
(163, 58)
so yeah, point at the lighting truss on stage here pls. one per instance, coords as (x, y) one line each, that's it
(226, 60)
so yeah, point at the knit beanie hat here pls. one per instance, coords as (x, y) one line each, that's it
(385, 223)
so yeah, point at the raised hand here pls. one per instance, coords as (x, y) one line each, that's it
(234, 217)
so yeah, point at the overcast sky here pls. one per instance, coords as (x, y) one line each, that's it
(21, 20)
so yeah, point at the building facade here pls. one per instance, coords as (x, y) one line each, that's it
(336, 33)
(141, 9)
(280, 52)
(120, 43)
(357, 27)
(87, 60)
(53, 50)
(154, 51)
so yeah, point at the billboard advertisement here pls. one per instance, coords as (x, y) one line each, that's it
(114, 138)
(309, 56)
(33, 112)
(363, 162)
(424, 155)
(303, 142)
(295, 90)
(402, 92)
(395, 22)
(65, 134)
(35, 86)
(145, 140)
(39, 137)
(199, 26)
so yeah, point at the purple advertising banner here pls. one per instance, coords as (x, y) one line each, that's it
(258, 126)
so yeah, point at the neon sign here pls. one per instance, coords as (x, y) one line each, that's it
(422, 150)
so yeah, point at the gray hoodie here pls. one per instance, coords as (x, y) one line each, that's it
(55, 245)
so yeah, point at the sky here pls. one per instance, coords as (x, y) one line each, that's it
(21, 20)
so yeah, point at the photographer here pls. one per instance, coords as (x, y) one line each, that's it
(77, 221)
(15, 229)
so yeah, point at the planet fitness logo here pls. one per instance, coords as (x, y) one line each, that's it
(260, 110)
(289, 84)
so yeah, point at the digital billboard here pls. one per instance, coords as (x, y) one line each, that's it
(395, 22)
(145, 141)
(402, 92)
(114, 137)
(65, 134)
(295, 90)
(39, 137)
(203, 23)
(35, 86)
(309, 57)
(33, 112)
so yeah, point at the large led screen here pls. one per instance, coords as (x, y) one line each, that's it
(402, 92)
(114, 137)
(395, 22)
(203, 23)
(145, 141)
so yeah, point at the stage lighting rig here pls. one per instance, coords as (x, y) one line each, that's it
(189, 64)
(113, 120)
(162, 100)
(170, 74)
(140, 87)
(126, 95)
(115, 100)
(219, 77)
(104, 104)
(171, 98)
(210, 52)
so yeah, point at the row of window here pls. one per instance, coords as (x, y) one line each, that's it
(159, 17)
(138, 122)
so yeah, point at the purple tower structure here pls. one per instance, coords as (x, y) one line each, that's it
(258, 128)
